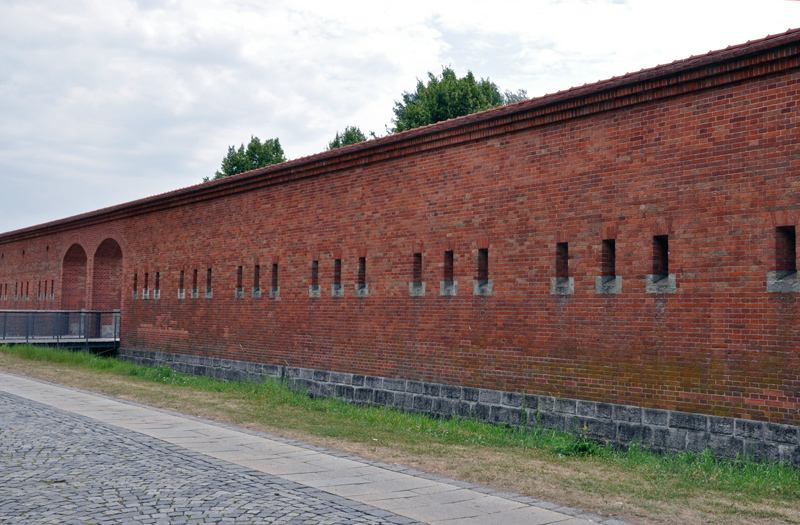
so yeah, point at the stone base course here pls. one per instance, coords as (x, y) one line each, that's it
(612, 423)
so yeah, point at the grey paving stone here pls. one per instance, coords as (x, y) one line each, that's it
(57, 467)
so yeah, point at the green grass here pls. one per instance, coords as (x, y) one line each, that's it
(679, 474)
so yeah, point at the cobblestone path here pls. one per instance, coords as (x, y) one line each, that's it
(57, 467)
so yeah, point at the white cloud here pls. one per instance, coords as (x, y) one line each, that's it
(107, 101)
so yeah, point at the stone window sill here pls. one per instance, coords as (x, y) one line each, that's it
(562, 285)
(782, 282)
(660, 283)
(416, 289)
(482, 288)
(607, 284)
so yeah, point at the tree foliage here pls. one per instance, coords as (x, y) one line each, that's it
(447, 96)
(350, 135)
(257, 155)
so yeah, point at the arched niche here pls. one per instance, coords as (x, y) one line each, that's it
(107, 276)
(73, 279)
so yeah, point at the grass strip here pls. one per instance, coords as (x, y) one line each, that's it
(655, 476)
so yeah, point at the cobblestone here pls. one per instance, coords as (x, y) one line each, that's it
(58, 467)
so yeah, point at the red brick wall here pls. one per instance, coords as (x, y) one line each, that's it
(715, 170)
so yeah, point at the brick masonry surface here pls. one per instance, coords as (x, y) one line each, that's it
(506, 219)
(619, 424)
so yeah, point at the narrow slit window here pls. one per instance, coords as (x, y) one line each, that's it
(27, 289)
(135, 282)
(314, 273)
(362, 271)
(275, 275)
(208, 281)
(146, 281)
(257, 276)
(337, 272)
(661, 255)
(52, 290)
(194, 281)
(448, 266)
(483, 264)
(562, 260)
(239, 275)
(786, 249)
(608, 258)
(158, 282)
(39, 294)
(180, 281)
(416, 275)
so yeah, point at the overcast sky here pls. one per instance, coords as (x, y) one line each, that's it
(107, 101)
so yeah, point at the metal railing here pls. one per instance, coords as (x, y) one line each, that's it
(60, 327)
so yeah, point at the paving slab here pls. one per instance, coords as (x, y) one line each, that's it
(233, 474)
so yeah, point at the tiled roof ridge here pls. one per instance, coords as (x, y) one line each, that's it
(693, 62)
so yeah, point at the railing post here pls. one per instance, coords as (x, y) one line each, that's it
(114, 334)
(84, 323)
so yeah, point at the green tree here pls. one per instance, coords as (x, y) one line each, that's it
(350, 135)
(257, 155)
(447, 96)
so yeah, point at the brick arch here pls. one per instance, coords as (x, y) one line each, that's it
(107, 276)
(73, 278)
(107, 232)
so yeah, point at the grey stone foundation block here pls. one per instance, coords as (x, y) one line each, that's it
(470, 394)
(620, 424)
(337, 290)
(748, 429)
(626, 413)
(362, 290)
(688, 421)
(314, 291)
(655, 417)
(511, 399)
(781, 433)
(665, 438)
(760, 451)
(628, 432)
(565, 406)
(505, 416)
(726, 446)
(586, 408)
(720, 425)
(491, 397)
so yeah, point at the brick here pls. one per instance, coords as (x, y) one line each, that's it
(704, 160)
